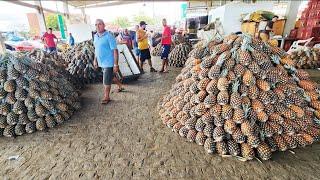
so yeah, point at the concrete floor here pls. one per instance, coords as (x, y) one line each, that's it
(127, 140)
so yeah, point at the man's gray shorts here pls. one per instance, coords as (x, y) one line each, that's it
(107, 75)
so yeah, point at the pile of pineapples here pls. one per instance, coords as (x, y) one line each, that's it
(33, 96)
(156, 51)
(80, 58)
(56, 61)
(307, 58)
(242, 97)
(179, 55)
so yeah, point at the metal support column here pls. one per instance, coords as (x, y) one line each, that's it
(83, 12)
(291, 14)
(41, 18)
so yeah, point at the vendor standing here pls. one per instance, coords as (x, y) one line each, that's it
(265, 34)
(125, 38)
(71, 40)
(166, 45)
(48, 39)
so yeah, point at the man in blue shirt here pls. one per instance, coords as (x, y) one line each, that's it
(71, 40)
(106, 53)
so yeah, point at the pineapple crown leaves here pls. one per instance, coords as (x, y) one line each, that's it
(306, 97)
(275, 59)
(246, 108)
(221, 59)
(295, 78)
(262, 136)
(224, 72)
(235, 86)
(316, 121)
(290, 68)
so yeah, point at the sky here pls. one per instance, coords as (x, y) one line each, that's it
(13, 17)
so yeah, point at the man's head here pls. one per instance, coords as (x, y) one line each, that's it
(125, 31)
(275, 18)
(100, 27)
(70, 34)
(136, 27)
(143, 24)
(50, 30)
(164, 22)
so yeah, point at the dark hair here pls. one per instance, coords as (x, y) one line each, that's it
(275, 16)
(50, 29)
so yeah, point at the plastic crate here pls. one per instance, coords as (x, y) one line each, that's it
(311, 32)
(300, 33)
(305, 14)
(314, 22)
(293, 33)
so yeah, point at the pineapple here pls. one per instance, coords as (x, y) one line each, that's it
(223, 97)
(298, 111)
(209, 145)
(30, 127)
(190, 123)
(208, 130)
(223, 82)
(226, 112)
(248, 78)
(281, 143)
(216, 110)
(200, 109)
(253, 92)
(239, 70)
(254, 67)
(238, 116)
(201, 96)
(290, 141)
(218, 134)
(50, 122)
(203, 84)
(12, 118)
(207, 118)
(9, 131)
(212, 87)
(253, 141)
(191, 136)
(257, 105)
(247, 151)
(233, 148)
(222, 148)
(210, 101)
(273, 146)
(218, 121)
(263, 85)
(264, 151)
(235, 98)
(9, 86)
(238, 136)
(247, 128)
(19, 129)
(41, 124)
(244, 57)
(264, 97)
(200, 138)
(276, 117)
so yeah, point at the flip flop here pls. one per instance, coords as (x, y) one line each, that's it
(105, 102)
(120, 90)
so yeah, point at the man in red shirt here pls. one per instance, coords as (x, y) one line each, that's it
(48, 39)
(166, 44)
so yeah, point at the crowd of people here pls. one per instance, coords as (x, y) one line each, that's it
(139, 41)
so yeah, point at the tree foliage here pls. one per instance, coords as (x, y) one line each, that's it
(121, 21)
(52, 22)
(143, 17)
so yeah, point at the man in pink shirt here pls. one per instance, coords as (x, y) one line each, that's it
(48, 39)
(166, 44)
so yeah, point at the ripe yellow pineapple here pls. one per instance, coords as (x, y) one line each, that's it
(230, 126)
(307, 85)
(281, 143)
(264, 151)
(223, 97)
(262, 116)
(223, 82)
(253, 92)
(257, 105)
(246, 128)
(238, 116)
(263, 85)
(222, 148)
(298, 110)
(247, 151)
(248, 78)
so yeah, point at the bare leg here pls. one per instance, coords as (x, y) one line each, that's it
(141, 65)
(118, 82)
(166, 63)
(150, 64)
(163, 65)
(107, 89)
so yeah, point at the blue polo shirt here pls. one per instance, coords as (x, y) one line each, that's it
(104, 46)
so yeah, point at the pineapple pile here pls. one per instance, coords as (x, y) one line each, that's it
(179, 55)
(308, 58)
(242, 97)
(156, 51)
(33, 96)
(80, 58)
(56, 62)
